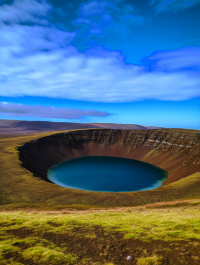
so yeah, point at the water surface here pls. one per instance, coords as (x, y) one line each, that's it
(107, 174)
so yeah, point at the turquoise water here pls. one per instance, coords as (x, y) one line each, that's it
(107, 174)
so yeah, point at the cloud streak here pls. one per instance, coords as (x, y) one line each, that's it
(173, 5)
(184, 59)
(19, 110)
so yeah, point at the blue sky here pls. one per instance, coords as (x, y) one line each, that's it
(134, 62)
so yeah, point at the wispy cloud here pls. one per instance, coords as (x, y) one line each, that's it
(184, 59)
(25, 11)
(96, 17)
(173, 5)
(185, 43)
(12, 109)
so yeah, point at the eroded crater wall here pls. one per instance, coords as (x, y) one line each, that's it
(175, 150)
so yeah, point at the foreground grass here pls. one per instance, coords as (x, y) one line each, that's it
(41, 251)
(171, 224)
(174, 223)
(150, 261)
(43, 254)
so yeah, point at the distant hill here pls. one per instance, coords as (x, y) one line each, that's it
(13, 127)
(153, 127)
(118, 126)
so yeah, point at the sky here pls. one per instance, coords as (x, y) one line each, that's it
(117, 61)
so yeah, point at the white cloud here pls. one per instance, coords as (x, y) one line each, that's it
(98, 76)
(15, 40)
(41, 61)
(25, 11)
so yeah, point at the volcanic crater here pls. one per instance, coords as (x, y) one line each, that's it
(174, 150)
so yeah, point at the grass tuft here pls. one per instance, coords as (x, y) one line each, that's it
(6, 247)
(150, 261)
(46, 255)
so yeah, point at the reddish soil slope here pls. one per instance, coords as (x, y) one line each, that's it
(175, 150)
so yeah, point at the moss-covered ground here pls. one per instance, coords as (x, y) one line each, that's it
(140, 235)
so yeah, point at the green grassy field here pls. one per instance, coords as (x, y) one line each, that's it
(28, 237)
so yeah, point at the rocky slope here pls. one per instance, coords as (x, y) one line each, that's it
(175, 150)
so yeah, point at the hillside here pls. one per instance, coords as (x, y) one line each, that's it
(13, 127)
